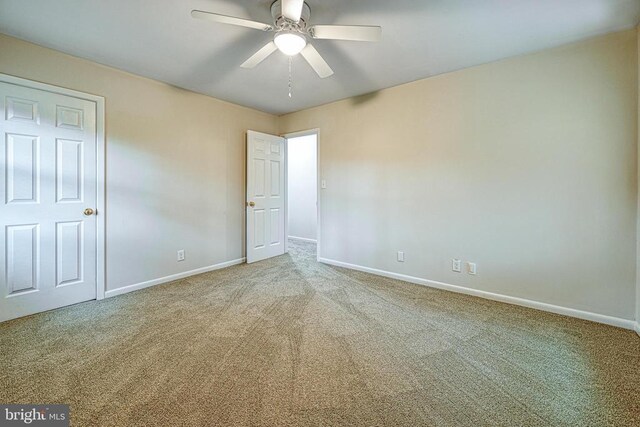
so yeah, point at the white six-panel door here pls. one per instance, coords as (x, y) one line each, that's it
(265, 196)
(47, 181)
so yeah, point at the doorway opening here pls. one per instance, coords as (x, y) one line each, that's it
(303, 207)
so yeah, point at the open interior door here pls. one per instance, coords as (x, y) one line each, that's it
(265, 196)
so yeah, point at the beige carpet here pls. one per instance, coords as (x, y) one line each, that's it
(290, 342)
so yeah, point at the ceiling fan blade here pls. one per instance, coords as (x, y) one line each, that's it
(292, 9)
(362, 33)
(260, 55)
(315, 60)
(223, 19)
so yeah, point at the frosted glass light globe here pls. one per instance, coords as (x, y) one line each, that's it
(290, 43)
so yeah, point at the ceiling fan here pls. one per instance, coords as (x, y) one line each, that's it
(292, 30)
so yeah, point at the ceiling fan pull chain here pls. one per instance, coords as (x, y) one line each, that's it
(290, 60)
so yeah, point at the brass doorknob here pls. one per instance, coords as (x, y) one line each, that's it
(252, 204)
(88, 212)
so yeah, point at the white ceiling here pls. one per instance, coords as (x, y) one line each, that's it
(421, 38)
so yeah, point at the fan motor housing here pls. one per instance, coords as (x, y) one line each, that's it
(283, 23)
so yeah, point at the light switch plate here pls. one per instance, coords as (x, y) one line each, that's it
(472, 268)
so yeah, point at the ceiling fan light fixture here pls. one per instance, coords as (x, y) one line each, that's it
(290, 42)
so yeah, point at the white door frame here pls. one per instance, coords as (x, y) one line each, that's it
(100, 167)
(286, 136)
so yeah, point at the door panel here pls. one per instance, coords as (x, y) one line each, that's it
(275, 226)
(69, 173)
(276, 185)
(48, 177)
(23, 169)
(69, 252)
(23, 244)
(265, 189)
(22, 110)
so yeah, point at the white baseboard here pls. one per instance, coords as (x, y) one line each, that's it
(586, 315)
(142, 285)
(303, 239)
(637, 328)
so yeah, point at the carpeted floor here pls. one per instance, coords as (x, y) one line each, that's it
(290, 342)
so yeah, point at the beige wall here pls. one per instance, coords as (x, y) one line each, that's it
(175, 165)
(638, 226)
(527, 167)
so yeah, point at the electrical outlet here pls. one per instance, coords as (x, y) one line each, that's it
(323, 183)
(400, 256)
(181, 255)
(456, 265)
(472, 268)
